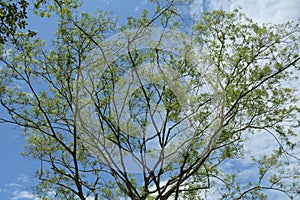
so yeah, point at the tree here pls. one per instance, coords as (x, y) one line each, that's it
(156, 110)
(13, 15)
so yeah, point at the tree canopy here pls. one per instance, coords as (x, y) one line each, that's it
(13, 16)
(158, 108)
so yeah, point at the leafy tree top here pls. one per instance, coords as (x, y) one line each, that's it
(107, 102)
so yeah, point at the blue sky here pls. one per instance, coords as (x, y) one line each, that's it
(16, 172)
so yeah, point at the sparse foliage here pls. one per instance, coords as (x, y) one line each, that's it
(150, 110)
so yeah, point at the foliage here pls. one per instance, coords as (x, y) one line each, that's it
(12, 16)
(86, 105)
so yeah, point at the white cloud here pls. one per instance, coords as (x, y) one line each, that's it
(13, 185)
(219, 5)
(262, 11)
(260, 144)
(196, 9)
(274, 11)
(23, 178)
(137, 8)
(23, 195)
(106, 1)
(140, 6)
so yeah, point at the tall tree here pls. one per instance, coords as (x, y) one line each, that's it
(152, 109)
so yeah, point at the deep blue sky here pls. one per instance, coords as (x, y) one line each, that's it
(16, 172)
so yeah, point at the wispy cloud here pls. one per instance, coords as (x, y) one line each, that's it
(23, 195)
(199, 6)
(274, 11)
(140, 6)
(13, 185)
(23, 178)
(197, 9)
(18, 189)
(106, 1)
(262, 11)
(3, 190)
